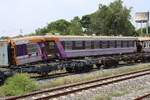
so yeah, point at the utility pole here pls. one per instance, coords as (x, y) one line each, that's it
(141, 29)
(21, 31)
(147, 25)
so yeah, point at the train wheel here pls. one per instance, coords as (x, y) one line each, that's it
(107, 64)
(98, 66)
(88, 68)
(44, 74)
(69, 69)
(115, 63)
(77, 69)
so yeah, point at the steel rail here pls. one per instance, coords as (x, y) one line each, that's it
(143, 97)
(125, 76)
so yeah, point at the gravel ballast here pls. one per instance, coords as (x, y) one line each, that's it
(125, 90)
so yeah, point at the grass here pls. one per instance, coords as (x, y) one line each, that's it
(118, 93)
(21, 83)
(17, 85)
(93, 75)
(102, 97)
(109, 95)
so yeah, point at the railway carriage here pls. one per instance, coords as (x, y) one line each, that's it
(43, 54)
(82, 46)
(28, 50)
(38, 48)
(145, 42)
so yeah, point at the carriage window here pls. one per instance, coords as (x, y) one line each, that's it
(148, 43)
(144, 45)
(100, 44)
(104, 44)
(51, 45)
(112, 44)
(96, 44)
(21, 50)
(32, 48)
(124, 43)
(131, 43)
(118, 44)
(78, 45)
(67, 45)
(87, 44)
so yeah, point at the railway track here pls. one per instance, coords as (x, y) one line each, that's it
(143, 97)
(73, 88)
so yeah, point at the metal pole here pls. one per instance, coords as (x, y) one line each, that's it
(147, 25)
(141, 29)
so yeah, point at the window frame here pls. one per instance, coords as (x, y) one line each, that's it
(21, 51)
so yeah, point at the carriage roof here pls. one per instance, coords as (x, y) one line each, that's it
(96, 38)
(74, 38)
(144, 38)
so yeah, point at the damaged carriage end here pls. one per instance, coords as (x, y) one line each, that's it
(28, 54)
(4, 60)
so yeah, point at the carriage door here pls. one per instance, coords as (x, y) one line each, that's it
(4, 61)
(51, 49)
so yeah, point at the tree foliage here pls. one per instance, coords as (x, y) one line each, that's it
(63, 27)
(75, 27)
(144, 31)
(86, 22)
(59, 26)
(113, 19)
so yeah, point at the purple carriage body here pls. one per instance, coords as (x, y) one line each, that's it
(84, 46)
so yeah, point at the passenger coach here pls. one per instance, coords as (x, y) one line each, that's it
(42, 54)
(82, 46)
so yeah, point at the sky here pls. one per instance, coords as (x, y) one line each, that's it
(24, 16)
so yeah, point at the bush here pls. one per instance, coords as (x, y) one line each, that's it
(17, 85)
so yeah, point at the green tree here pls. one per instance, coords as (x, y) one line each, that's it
(99, 21)
(144, 31)
(59, 26)
(86, 22)
(41, 31)
(75, 27)
(112, 20)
